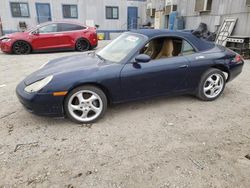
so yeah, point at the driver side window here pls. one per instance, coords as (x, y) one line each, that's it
(51, 28)
(166, 47)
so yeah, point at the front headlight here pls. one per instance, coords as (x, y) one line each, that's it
(38, 85)
(6, 40)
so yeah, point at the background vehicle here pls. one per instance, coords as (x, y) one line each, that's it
(137, 65)
(51, 36)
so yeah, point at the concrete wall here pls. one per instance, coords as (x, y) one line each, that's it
(87, 10)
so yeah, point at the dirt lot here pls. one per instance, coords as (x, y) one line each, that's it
(163, 142)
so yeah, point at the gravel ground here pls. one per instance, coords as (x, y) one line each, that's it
(163, 142)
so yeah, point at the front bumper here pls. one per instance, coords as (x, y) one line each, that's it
(6, 46)
(40, 103)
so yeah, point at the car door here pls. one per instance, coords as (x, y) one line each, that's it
(199, 63)
(46, 37)
(155, 77)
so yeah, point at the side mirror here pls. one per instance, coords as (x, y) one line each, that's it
(36, 32)
(142, 58)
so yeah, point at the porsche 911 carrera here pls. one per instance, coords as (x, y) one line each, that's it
(137, 65)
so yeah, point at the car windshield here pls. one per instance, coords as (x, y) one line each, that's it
(33, 28)
(118, 49)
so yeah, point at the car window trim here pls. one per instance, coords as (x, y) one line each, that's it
(175, 36)
(45, 26)
(74, 24)
(182, 46)
(132, 60)
(86, 27)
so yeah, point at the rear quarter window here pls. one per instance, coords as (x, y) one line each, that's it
(187, 48)
(70, 27)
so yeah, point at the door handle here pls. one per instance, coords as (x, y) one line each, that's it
(58, 34)
(183, 66)
(200, 57)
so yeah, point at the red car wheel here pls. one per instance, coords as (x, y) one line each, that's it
(21, 47)
(82, 45)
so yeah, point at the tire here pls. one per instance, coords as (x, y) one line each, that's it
(85, 104)
(21, 47)
(82, 45)
(211, 85)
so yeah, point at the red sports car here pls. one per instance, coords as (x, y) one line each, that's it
(52, 36)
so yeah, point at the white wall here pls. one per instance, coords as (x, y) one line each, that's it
(87, 10)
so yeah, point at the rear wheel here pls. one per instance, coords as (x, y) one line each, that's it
(21, 47)
(82, 45)
(85, 104)
(211, 85)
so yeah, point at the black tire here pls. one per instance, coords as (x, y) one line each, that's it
(201, 93)
(82, 45)
(21, 47)
(93, 89)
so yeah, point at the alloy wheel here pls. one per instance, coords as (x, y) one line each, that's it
(213, 85)
(82, 45)
(21, 47)
(85, 105)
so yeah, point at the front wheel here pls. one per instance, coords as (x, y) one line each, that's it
(211, 85)
(85, 104)
(21, 47)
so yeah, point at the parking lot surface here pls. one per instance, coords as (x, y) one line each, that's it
(164, 142)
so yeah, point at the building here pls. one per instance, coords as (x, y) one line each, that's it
(107, 15)
(193, 12)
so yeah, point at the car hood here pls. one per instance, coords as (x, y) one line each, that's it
(14, 35)
(70, 64)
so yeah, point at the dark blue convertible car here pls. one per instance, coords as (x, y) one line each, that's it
(137, 65)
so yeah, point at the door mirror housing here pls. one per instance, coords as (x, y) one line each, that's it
(142, 58)
(36, 32)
